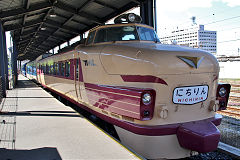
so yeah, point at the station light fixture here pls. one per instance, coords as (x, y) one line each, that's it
(43, 28)
(52, 13)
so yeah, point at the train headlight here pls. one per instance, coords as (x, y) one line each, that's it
(146, 99)
(222, 92)
(131, 17)
(128, 18)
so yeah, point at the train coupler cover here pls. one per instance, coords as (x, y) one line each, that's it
(199, 136)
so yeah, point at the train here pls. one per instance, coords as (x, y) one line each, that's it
(160, 99)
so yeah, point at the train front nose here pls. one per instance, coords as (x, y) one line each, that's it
(179, 63)
(198, 136)
(192, 83)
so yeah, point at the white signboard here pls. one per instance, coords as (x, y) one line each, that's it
(190, 95)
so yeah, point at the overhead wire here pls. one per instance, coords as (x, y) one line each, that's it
(233, 40)
(222, 20)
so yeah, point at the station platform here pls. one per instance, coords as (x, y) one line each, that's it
(34, 125)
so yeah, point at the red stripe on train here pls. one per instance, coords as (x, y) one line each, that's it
(114, 96)
(105, 102)
(113, 89)
(144, 79)
(116, 110)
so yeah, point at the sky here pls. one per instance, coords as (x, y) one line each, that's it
(222, 16)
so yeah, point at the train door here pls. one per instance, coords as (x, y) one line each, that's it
(77, 79)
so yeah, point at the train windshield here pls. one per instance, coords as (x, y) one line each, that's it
(125, 33)
(147, 34)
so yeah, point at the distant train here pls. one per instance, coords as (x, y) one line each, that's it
(161, 99)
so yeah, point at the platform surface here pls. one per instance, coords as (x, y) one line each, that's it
(34, 125)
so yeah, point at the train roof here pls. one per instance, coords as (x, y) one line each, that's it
(119, 25)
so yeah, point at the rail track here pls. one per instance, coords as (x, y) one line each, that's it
(232, 112)
(234, 98)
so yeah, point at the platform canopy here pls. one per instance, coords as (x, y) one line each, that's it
(40, 25)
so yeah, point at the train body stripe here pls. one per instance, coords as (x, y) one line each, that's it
(127, 100)
(133, 92)
(143, 79)
(114, 109)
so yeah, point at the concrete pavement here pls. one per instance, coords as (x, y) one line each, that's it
(34, 125)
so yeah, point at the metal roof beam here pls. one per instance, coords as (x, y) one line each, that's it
(49, 42)
(76, 12)
(62, 26)
(37, 29)
(29, 36)
(25, 33)
(68, 32)
(105, 5)
(74, 20)
(23, 11)
(32, 56)
(136, 1)
(45, 48)
(19, 17)
(10, 19)
(35, 49)
(40, 47)
(27, 3)
(19, 26)
(57, 24)
(53, 36)
(24, 41)
(46, 45)
(91, 17)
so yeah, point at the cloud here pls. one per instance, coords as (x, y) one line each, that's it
(232, 3)
(183, 5)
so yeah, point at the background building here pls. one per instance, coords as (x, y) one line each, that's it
(194, 36)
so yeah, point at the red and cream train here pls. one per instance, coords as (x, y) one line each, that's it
(161, 99)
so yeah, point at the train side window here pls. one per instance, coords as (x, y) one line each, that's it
(54, 68)
(51, 69)
(90, 37)
(67, 69)
(58, 69)
(100, 36)
(44, 69)
(62, 68)
(77, 69)
(47, 69)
